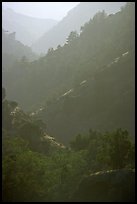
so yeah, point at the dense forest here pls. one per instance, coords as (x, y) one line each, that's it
(37, 168)
(68, 116)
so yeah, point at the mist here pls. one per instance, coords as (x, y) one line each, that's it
(68, 102)
(44, 10)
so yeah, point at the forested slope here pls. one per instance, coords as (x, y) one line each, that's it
(103, 56)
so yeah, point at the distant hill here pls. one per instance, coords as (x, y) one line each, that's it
(75, 18)
(28, 29)
(13, 50)
(87, 83)
(14, 47)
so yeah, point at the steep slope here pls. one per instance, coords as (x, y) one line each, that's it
(11, 46)
(28, 29)
(100, 42)
(17, 124)
(104, 101)
(13, 51)
(89, 81)
(75, 18)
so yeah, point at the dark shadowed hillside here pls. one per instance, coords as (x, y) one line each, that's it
(107, 187)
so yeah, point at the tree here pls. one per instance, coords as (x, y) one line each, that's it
(99, 16)
(72, 36)
(50, 50)
(120, 146)
(58, 47)
(80, 143)
(117, 150)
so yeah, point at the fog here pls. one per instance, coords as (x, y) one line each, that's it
(54, 10)
(68, 102)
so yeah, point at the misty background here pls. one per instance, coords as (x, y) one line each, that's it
(68, 101)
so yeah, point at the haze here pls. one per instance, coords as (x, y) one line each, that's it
(54, 10)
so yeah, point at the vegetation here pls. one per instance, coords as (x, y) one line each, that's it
(35, 170)
(75, 18)
(87, 84)
(31, 176)
(99, 43)
(13, 49)
(97, 56)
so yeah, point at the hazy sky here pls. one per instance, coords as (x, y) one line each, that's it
(54, 10)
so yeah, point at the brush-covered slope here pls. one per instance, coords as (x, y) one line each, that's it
(19, 125)
(104, 97)
(89, 81)
(104, 101)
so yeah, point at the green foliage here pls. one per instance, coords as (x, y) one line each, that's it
(31, 176)
(31, 170)
(12, 146)
(26, 178)
(17, 123)
(71, 166)
(120, 150)
(106, 151)
(79, 143)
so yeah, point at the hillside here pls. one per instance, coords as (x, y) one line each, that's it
(68, 118)
(75, 18)
(103, 56)
(13, 51)
(102, 101)
(35, 167)
(19, 125)
(107, 186)
(28, 29)
(14, 48)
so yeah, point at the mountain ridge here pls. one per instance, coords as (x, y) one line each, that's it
(74, 19)
(28, 28)
(104, 51)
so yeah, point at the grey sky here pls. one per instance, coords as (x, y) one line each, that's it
(54, 10)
